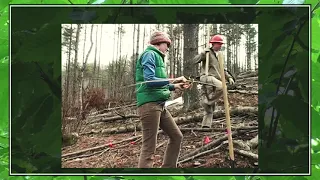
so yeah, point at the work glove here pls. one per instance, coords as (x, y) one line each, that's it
(207, 50)
(231, 81)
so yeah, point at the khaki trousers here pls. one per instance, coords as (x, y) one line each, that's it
(208, 98)
(152, 116)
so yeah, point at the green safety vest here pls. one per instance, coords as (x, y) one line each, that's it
(147, 94)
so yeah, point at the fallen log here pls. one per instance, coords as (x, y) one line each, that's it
(124, 117)
(179, 120)
(84, 156)
(218, 129)
(199, 154)
(209, 146)
(242, 86)
(110, 109)
(102, 148)
(217, 114)
(241, 144)
(250, 79)
(243, 92)
(99, 151)
(114, 118)
(98, 147)
(222, 142)
(246, 153)
(94, 117)
(119, 107)
(253, 143)
(248, 74)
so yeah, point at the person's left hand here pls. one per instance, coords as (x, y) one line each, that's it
(178, 86)
(231, 81)
(187, 86)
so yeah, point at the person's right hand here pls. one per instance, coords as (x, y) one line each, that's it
(180, 79)
(178, 86)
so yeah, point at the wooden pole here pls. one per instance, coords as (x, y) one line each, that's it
(207, 52)
(226, 106)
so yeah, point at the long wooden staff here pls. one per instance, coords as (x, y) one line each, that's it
(207, 52)
(226, 107)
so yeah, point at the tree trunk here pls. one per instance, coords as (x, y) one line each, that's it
(100, 38)
(144, 37)
(95, 59)
(74, 93)
(229, 64)
(84, 43)
(114, 43)
(182, 49)
(174, 48)
(180, 53)
(171, 52)
(114, 69)
(248, 47)
(117, 82)
(120, 39)
(190, 31)
(178, 50)
(138, 41)
(256, 61)
(150, 31)
(68, 67)
(82, 74)
(133, 80)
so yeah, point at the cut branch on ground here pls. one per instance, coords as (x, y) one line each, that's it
(243, 92)
(246, 153)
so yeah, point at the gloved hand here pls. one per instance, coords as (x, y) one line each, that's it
(231, 81)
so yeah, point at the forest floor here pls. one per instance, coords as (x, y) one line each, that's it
(122, 149)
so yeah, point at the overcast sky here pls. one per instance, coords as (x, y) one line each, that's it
(107, 42)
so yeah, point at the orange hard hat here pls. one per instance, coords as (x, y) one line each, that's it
(216, 39)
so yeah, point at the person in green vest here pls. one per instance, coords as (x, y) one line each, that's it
(151, 98)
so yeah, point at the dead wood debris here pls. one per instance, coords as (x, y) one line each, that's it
(199, 154)
(130, 127)
(243, 92)
(92, 149)
(99, 147)
(246, 153)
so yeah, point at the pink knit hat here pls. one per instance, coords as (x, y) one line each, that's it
(159, 37)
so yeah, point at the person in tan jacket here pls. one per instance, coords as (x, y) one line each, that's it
(209, 94)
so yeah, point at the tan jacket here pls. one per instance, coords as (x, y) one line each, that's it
(214, 66)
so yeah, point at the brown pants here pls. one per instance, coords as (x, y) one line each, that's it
(209, 96)
(153, 115)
